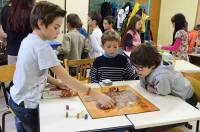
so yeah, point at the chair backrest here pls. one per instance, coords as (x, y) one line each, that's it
(7, 72)
(82, 68)
(6, 75)
(194, 78)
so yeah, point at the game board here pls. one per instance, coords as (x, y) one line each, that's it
(128, 101)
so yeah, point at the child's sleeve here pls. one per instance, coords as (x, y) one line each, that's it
(162, 86)
(94, 73)
(46, 57)
(66, 44)
(175, 47)
(129, 73)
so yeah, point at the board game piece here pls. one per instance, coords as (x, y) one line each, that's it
(67, 107)
(86, 116)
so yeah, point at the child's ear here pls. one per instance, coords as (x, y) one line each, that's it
(102, 46)
(40, 24)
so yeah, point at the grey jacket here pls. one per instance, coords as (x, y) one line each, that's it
(165, 80)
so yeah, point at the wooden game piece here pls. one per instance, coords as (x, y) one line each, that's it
(67, 115)
(67, 107)
(78, 115)
(117, 90)
(86, 116)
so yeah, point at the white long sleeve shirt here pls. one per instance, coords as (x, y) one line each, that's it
(95, 43)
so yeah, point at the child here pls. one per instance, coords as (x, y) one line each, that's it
(108, 23)
(179, 47)
(95, 38)
(34, 59)
(193, 38)
(131, 34)
(73, 41)
(111, 65)
(159, 77)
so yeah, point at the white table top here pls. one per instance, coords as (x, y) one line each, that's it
(185, 66)
(52, 117)
(180, 65)
(172, 109)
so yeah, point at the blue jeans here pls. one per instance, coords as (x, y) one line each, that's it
(19, 125)
(28, 117)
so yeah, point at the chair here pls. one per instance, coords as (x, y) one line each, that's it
(194, 78)
(82, 68)
(6, 75)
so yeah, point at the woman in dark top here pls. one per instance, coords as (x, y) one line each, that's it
(16, 24)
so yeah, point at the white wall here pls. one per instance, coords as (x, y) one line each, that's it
(168, 9)
(79, 7)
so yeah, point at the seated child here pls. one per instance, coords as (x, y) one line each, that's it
(111, 65)
(159, 77)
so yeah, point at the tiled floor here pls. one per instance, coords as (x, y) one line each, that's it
(10, 123)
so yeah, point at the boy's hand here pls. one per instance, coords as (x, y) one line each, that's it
(151, 89)
(104, 101)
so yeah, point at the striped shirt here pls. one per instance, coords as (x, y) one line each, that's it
(115, 69)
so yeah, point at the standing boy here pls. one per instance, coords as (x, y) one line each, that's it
(34, 59)
(95, 38)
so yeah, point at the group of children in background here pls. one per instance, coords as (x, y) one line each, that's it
(36, 57)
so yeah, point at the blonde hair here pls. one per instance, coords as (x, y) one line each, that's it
(109, 36)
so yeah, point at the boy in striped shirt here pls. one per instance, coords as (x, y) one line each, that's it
(111, 65)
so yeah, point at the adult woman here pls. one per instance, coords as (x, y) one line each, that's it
(16, 24)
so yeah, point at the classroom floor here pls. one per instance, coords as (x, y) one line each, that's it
(10, 123)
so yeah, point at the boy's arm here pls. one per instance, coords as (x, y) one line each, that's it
(175, 47)
(162, 86)
(76, 85)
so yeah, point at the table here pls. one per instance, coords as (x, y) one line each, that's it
(180, 65)
(185, 66)
(52, 117)
(172, 109)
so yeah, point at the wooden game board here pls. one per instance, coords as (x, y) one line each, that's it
(128, 102)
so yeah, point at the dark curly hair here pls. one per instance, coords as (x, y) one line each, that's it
(145, 55)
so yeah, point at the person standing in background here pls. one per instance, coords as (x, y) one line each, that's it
(131, 34)
(95, 38)
(108, 23)
(179, 47)
(15, 19)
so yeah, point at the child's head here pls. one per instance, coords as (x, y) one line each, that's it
(135, 23)
(144, 58)
(73, 20)
(47, 18)
(108, 23)
(179, 21)
(94, 19)
(110, 42)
